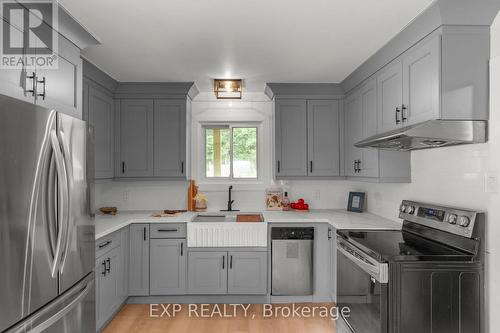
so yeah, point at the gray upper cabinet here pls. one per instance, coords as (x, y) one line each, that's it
(207, 273)
(139, 260)
(247, 273)
(291, 137)
(421, 82)
(168, 267)
(368, 163)
(169, 138)
(323, 121)
(100, 107)
(135, 138)
(390, 97)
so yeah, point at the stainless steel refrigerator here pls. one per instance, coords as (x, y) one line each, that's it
(46, 226)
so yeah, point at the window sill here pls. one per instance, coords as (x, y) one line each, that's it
(249, 186)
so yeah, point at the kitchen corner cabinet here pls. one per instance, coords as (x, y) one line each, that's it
(360, 122)
(168, 267)
(139, 260)
(98, 106)
(151, 138)
(307, 138)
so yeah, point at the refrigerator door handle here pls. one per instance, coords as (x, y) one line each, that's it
(31, 325)
(68, 167)
(63, 191)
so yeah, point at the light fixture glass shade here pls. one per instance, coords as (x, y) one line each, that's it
(228, 88)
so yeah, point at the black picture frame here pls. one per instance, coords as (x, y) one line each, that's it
(356, 202)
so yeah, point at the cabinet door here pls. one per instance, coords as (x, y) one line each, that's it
(390, 97)
(353, 131)
(124, 264)
(421, 68)
(108, 270)
(60, 88)
(136, 138)
(207, 273)
(139, 260)
(168, 267)
(15, 82)
(247, 273)
(169, 138)
(323, 138)
(291, 138)
(369, 159)
(100, 108)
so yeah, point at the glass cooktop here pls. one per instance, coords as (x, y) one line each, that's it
(392, 245)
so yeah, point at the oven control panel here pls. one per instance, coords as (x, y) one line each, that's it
(454, 220)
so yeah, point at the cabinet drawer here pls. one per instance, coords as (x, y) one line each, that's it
(167, 230)
(106, 243)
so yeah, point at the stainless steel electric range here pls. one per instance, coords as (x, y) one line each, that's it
(427, 277)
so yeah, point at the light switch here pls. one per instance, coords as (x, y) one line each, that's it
(126, 195)
(491, 182)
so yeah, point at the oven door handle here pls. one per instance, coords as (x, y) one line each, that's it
(379, 272)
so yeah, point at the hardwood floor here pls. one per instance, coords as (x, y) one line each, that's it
(135, 318)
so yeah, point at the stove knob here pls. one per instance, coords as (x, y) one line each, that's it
(452, 219)
(402, 208)
(410, 209)
(463, 221)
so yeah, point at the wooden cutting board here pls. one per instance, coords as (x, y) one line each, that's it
(249, 218)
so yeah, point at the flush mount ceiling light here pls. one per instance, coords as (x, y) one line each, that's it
(228, 89)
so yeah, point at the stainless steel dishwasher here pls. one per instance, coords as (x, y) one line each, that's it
(292, 261)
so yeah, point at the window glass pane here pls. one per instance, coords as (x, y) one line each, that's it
(245, 152)
(218, 147)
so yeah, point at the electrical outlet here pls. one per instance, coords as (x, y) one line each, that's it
(317, 194)
(491, 182)
(126, 195)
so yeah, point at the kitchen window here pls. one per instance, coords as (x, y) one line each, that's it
(231, 152)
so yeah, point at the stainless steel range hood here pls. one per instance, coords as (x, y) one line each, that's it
(430, 134)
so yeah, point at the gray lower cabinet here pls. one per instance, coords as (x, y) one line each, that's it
(169, 138)
(247, 273)
(168, 260)
(98, 108)
(108, 276)
(135, 138)
(124, 266)
(139, 260)
(207, 273)
(233, 272)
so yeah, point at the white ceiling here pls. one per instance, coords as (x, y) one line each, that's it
(256, 40)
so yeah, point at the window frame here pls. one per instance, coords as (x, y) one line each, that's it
(231, 126)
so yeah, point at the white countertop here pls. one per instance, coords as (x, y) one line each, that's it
(339, 219)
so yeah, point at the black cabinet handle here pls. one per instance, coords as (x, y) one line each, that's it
(231, 262)
(44, 87)
(359, 165)
(33, 84)
(144, 233)
(182, 249)
(397, 115)
(279, 166)
(103, 245)
(311, 166)
(404, 113)
(104, 268)
(354, 166)
(123, 167)
(108, 269)
(223, 262)
(167, 230)
(182, 167)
